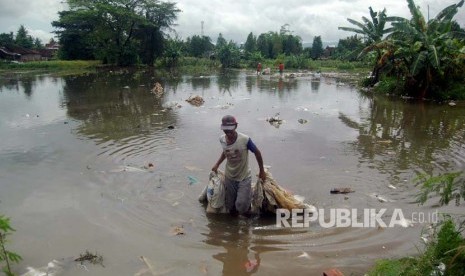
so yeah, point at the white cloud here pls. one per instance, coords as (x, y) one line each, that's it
(44, 36)
(36, 16)
(236, 19)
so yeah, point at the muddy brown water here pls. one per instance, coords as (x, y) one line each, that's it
(73, 151)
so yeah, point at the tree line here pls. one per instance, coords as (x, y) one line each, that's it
(21, 39)
(126, 33)
(415, 56)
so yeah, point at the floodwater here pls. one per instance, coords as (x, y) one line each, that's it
(76, 175)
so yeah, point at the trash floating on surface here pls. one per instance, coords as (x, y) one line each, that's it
(171, 105)
(177, 231)
(381, 198)
(302, 121)
(250, 265)
(192, 180)
(341, 191)
(128, 169)
(304, 255)
(195, 101)
(275, 121)
(332, 272)
(390, 186)
(53, 268)
(157, 89)
(91, 258)
(192, 168)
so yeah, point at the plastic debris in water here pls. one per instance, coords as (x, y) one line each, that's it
(250, 265)
(341, 191)
(192, 180)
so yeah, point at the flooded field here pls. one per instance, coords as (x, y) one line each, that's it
(99, 162)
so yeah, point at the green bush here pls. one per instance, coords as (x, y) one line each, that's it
(5, 255)
(389, 85)
(450, 249)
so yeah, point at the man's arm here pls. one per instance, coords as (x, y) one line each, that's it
(218, 163)
(258, 156)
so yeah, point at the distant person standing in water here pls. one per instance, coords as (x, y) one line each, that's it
(259, 69)
(238, 179)
(281, 69)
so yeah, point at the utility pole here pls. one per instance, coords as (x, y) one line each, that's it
(428, 13)
(201, 32)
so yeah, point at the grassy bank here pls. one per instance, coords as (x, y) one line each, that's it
(444, 254)
(193, 65)
(395, 86)
(48, 66)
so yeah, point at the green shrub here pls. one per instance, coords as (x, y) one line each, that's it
(5, 255)
(450, 249)
(389, 85)
(446, 249)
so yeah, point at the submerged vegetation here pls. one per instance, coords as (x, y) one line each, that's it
(6, 256)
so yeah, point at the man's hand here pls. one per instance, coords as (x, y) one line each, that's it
(262, 175)
(215, 168)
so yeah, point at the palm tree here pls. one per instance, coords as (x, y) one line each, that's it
(428, 49)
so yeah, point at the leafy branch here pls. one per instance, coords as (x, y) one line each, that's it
(448, 186)
(5, 255)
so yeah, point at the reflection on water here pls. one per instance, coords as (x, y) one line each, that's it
(114, 106)
(75, 151)
(234, 236)
(422, 136)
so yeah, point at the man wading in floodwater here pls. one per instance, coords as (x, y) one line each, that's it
(238, 179)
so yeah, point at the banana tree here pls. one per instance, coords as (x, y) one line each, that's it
(428, 49)
(373, 32)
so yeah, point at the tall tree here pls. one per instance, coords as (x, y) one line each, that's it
(159, 17)
(173, 51)
(349, 48)
(116, 31)
(38, 44)
(200, 46)
(317, 48)
(23, 39)
(263, 45)
(292, 45)
(220, 41)
(229, 55)
(250, 45)
(6, 39)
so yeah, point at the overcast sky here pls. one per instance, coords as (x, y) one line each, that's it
(235, 19)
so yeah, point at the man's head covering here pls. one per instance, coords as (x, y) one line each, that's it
(228, 122)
